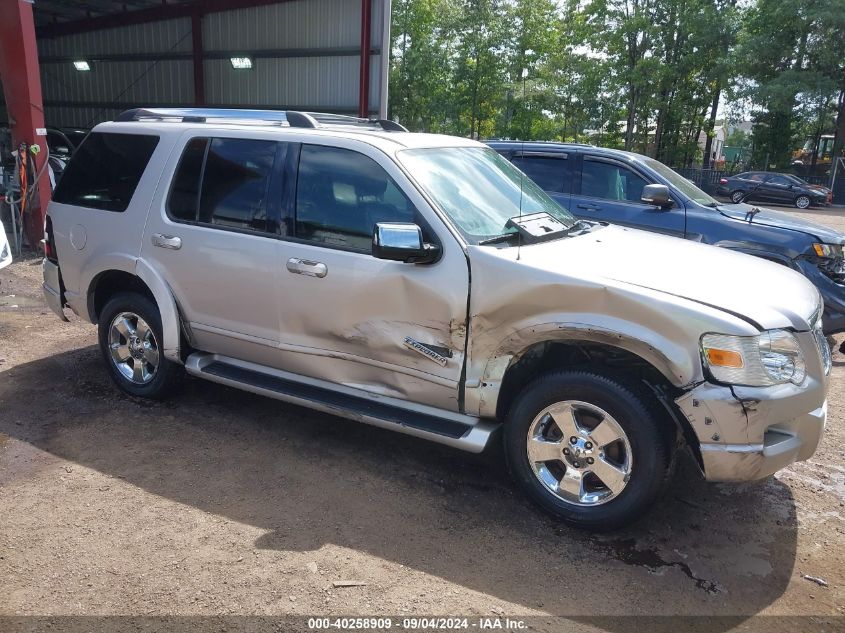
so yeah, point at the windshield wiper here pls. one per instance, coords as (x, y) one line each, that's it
(577, 227)
(504, 237)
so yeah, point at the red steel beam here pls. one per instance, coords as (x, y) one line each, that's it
(196, 57)
(364, 75)
(22, 90)
(153, 14)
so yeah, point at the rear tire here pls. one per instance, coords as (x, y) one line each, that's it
(736, 196)
(130, 338)
(604, 471)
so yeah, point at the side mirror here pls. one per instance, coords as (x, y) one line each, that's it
(402, 242)
(658, 195)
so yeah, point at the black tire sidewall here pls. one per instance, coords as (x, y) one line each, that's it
(634, 412)
(733, 194)
(167, 374)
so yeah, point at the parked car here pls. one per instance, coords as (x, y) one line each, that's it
(764, 186)
(633, 190)
(327, 262)
(64, 141)
(5, 249)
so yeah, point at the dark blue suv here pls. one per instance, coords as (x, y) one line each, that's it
(619, 187)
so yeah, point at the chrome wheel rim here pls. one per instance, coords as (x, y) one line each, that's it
(737, 197)
(579, 453)
(133, 347)
(803, 202)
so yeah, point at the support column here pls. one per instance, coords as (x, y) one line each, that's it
(22, 91)
(364, 79)
(197, 57)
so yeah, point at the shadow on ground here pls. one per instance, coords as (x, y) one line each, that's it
(309, 479)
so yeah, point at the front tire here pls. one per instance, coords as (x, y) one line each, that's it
(803, 202)
(130, 338)
(589, 449)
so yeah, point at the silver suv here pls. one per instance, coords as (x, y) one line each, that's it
(422, 283)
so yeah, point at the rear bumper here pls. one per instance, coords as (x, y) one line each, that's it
(782, 445)
(52, 287)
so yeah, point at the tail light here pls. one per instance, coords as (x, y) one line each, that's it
(723, 181)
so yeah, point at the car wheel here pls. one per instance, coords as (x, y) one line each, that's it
(736, 196)
(130, 339)
(802, 202)
(590, 449)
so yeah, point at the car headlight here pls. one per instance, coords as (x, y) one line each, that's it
(828, 251)
(771, 358)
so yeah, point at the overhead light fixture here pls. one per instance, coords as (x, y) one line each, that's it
(82, 66)
(241, 63)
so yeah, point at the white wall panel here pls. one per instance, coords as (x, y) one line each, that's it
(321, 82)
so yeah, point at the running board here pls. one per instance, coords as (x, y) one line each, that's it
(444, 427)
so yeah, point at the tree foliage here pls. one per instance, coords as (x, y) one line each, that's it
(646, 75)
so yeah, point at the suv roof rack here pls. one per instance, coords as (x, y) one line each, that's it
(290, 118)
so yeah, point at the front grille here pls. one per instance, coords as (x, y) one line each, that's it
(835, 269)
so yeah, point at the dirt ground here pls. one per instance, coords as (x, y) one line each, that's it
(220, 502)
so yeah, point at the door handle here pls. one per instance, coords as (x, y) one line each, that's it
(589, 207)
(167, 241)
(307, 267)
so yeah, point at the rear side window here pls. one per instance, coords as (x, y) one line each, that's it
(547, 171)
(224, 182)
(184, 194)
(105, 171)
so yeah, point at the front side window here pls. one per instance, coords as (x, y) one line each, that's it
(610, 181)
(340, 196)
(549, 172)
(224, 182)
(478, 189)
(105, 170)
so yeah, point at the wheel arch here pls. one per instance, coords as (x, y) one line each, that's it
(610, 354)
(146, 282)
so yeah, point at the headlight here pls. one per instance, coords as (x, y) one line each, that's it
(828, 251)
(772, 358)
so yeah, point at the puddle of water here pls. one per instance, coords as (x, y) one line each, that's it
(626, 551)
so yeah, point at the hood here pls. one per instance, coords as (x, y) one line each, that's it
(767, 294)
(779, 219)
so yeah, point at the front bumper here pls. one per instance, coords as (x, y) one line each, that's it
(833, 294)
(52, 287)
(747, 433)
(782, 445)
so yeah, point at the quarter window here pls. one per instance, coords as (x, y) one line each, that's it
(547, 171)
(105, 170)
(610, 181)
(341, 194)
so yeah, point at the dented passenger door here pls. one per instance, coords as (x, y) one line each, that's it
(385, 327)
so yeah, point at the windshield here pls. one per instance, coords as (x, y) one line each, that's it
(680, 183)
(478, 189)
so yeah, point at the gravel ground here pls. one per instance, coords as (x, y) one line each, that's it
(220, 502)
